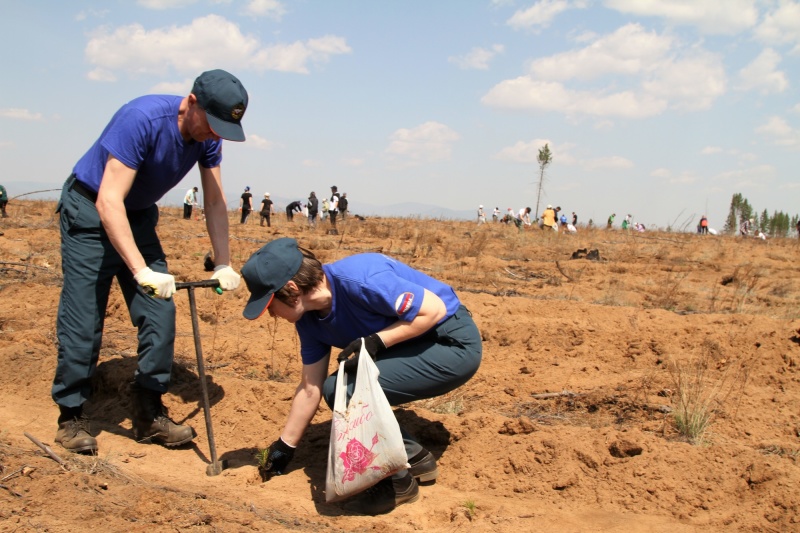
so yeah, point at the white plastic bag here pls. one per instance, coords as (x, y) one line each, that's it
(366, 444)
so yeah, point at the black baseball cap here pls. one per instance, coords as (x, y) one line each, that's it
(267, 271)
(221, 95)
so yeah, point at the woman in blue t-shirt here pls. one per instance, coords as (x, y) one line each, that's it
(423, 340)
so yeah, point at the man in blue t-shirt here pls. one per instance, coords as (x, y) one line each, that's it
(423, 340)
(108, 218)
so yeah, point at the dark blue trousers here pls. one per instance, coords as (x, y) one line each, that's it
(431, 365)
(89, 264)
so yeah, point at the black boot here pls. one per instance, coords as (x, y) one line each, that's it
(385, 495)
(423, 467)
(150, 420)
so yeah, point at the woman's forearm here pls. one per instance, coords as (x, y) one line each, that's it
(304, 406)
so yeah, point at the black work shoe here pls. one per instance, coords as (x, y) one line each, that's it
(164, 431)
(423, 467)
(384, 496)
(74, 436)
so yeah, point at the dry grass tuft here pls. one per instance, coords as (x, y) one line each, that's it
(703, 386)
(774, 449)
(96, 465)
(450, 404)
(746, 279)
(667, 295)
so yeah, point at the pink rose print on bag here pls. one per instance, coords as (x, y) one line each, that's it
(357, 458)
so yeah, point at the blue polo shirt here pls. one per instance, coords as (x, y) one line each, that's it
(144, 136)
(370, 292)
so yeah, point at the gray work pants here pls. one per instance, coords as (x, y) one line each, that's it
(431, 365)
(89, 264)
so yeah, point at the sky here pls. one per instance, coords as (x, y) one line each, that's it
(658, 109)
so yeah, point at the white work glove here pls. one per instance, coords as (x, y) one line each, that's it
(228, 278)
(155, 283)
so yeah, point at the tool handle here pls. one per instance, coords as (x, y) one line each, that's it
(211, 283)
(201, 373)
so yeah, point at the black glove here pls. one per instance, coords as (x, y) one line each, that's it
(279, 456)
(208, 263)
(373, 344)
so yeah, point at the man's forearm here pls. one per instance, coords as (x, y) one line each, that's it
(217, 224)
(115, 221)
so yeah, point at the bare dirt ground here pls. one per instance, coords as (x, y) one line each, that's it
(569, 425)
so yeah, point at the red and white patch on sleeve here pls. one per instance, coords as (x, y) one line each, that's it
(403, 303)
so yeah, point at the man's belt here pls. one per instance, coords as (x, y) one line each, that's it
(81, 189)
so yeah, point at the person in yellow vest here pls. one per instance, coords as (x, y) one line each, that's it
(549, 218)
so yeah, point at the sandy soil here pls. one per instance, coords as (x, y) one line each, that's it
(569, 425)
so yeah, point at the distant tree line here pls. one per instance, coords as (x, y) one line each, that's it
(777, 225)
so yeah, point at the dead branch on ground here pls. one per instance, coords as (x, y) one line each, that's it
(46, 449)
(558, 266)
(563, 393)
(26, 265)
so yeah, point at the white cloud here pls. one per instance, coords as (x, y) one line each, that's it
(709, 16)
(294, 57)
(635, 74)
(761, 74)
(265, 8)
(204, 43)
(259, 142)
(526, 152)
(173, 87)
(613, 161)
(328, 45)
(781, 133)
(477, 58)
(20, 114)
(690, 83)
(708, 150)
(541, 14)
(525, 93)
(428, 142)
(741, 157)
(353, 161)
(101, 74)
(630, 50)
(6, 144)
(782, 26)
(754, 177)
(775, 126)
(310, 163)
(661, 173)
(161, 5)
(94, 13)
(604, 124)
(684, 178)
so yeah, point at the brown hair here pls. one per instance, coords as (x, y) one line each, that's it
(308, 276)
